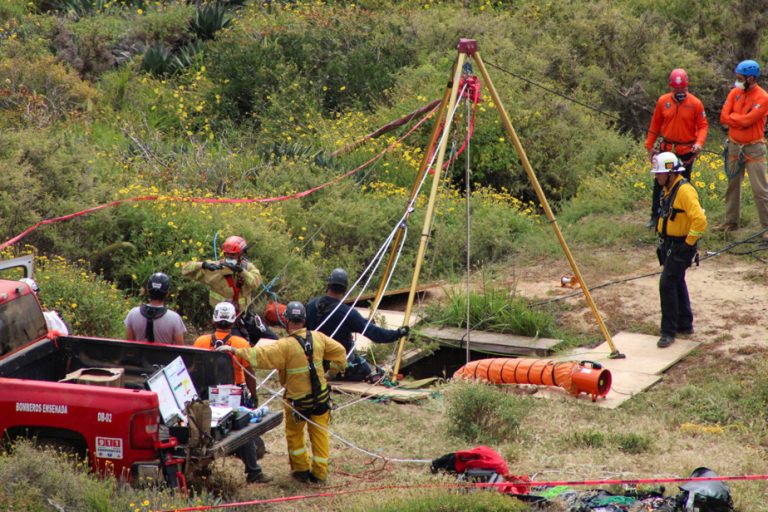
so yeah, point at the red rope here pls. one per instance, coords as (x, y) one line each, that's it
(296, 195)
(299, 497)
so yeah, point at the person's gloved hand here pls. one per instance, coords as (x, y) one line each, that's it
(225, 348)
(234, 268)
(207, 265)
(403, 331)
(696, 149)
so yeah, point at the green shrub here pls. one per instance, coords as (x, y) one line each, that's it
(88, 304)
(48, 480)
(158, 60)
(40, 91)
(492, 310)
(210, 19)
(586, 439)
(632, 443)
(480, 413)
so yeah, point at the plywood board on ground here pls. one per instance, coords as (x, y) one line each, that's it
(642, 354)
(386, 319)
(370, 390)
(625, 386)
(492, 342)
(640, 369)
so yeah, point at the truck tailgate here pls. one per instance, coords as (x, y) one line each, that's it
(238, 438)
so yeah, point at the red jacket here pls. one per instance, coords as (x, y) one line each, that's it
(682, 124)
(744, 113)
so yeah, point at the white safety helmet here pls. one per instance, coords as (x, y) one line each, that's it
(666, 162)
(224, 312)
(31, 283)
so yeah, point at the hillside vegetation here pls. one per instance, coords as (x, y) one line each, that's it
(107, 100)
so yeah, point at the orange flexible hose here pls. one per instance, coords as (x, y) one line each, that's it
(584, 377)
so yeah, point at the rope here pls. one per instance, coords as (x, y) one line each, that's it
(466, 485)
(651, 274)
(585, 105)
(468, 187)
(379, 255)
(296, 195)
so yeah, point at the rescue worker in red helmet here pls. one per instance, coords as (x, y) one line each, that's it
(299, 360)
(236, 280)
(681, 223)
(744, 113)
(680, 122)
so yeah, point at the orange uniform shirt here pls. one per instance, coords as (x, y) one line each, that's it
(684, 123)
(204, 341)
(744, 113)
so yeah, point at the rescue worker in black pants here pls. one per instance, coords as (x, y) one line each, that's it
(681, 224)
(340, 321)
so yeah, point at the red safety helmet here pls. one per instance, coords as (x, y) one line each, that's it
(678, 78)
(234, 245)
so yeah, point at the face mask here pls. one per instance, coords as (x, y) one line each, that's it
(738, 85)
(229, 261)
(680, 96)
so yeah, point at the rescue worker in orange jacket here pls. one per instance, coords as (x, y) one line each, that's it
(681, 224)
(744, 114)
(233, 279)
(680, 122)
(299, 360)
(224, 317)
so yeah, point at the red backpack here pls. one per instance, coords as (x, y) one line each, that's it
(481, 457)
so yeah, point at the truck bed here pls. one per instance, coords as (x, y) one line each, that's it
(51, 360)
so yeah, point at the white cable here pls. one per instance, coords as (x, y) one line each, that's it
(382, 248)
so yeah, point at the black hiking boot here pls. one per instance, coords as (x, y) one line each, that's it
(665, 340)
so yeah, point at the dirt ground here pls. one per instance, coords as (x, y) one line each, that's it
(728, 297)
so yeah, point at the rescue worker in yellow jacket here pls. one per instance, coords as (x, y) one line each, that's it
(236, 280)
(681, 224)
(299, 360)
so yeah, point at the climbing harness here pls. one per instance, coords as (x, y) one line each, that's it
(319, 400)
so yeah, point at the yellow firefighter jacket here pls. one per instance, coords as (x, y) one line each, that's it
(248, 282)
(689, 219)
(286, 355)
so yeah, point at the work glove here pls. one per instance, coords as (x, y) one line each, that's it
(225, 348)
(696, 149)
(207, 265)
(403, 331)
(234, 268)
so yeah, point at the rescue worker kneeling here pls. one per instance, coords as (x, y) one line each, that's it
(299, 360)
(681, 223)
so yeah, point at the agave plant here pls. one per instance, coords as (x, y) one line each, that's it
(158, 60)
(209, 19)
(185, 56)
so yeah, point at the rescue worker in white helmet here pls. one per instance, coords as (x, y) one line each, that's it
(53, 319)
(224, 317)
(236, 280)
(681, 224)
(299, 359)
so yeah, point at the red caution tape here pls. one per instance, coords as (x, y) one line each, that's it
(636, 481)
(296, 195)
